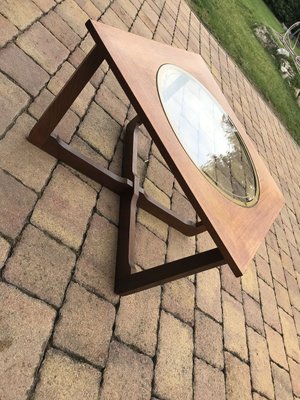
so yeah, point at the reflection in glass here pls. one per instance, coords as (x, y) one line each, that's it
(207, 133)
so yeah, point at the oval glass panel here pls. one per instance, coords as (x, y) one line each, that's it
(207, 134)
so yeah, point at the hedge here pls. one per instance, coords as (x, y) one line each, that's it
(287, 11)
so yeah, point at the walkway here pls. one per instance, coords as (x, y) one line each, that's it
(64, 334)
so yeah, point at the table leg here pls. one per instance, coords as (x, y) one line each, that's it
(42, 130)
(127, 282)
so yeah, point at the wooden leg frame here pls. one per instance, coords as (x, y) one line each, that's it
(131, 194)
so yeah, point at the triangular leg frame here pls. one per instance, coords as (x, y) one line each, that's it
(127, 186)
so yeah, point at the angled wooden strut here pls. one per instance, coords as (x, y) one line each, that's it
(125, 281)
(127, 186)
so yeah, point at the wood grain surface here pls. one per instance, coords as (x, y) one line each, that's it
(238, 231)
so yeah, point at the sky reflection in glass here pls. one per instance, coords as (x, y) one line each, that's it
(207, 133)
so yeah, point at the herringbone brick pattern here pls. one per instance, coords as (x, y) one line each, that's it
(64, 333)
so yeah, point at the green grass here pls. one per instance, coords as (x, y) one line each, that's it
(231, 22)
(260, 13)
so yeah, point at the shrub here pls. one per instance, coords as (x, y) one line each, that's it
(287, 11)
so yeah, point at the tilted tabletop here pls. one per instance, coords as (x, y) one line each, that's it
(200, 137)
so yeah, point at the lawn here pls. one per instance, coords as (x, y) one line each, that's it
(231, 22)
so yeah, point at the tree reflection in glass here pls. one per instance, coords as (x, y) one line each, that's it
(206, 133)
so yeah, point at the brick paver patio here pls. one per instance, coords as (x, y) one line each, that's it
(64, 334)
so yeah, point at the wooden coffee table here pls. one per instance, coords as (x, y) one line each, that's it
(204, 144)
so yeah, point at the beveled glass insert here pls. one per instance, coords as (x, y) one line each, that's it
(207, 134)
